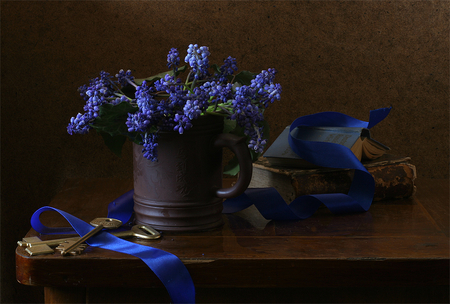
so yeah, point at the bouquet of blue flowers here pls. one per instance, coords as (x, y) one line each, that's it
(138, 109)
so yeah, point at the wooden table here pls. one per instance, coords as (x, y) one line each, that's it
(398, 251)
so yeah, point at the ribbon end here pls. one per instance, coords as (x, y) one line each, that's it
(378, 115)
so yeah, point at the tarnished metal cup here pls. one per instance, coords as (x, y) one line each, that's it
(183, 191)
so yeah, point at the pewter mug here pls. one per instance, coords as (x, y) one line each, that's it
(182, 191)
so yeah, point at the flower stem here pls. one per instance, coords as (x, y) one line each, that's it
(224, 109)
(187, 78)
(117, 88)
(132, 83)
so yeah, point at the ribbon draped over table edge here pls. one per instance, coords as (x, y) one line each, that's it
(171, 270)
(167, 267)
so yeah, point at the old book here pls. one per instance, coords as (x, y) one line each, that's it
(394, 178)
(358, 140)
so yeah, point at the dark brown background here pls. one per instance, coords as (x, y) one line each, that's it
(343, 56)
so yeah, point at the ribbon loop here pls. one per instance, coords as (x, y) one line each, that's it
(167, 267)
(324, 154)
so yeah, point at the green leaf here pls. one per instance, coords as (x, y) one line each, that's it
(215, 68)
(232, 168)
(229, 125)
(114, 143)
(135, 137)
(112, 118)
(244, 77)
(129, 91)
(111, 125)
(160, 75)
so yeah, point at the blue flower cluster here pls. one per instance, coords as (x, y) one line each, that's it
(227, 69)
(80, 124)
(168, 103)
(267, 91)
(150, 143)
(249, 102)
(125, 78)
(197, 57)
(100, 91)
(173, 59)
(150, 110)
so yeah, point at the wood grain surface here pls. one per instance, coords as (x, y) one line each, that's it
(396, 244)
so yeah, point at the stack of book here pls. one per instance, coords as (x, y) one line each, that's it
(292, 176)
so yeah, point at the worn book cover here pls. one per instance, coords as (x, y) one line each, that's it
(394, 178)
(358, 140)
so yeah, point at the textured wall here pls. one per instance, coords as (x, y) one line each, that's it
(341, 56)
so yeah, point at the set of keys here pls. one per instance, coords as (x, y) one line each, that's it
(75, 245)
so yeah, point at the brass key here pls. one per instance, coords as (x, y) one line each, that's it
(76, 251)
(35, 241)
(38, 250)
(101, 223)
(138, 231)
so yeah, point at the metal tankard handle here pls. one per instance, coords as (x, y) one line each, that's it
(239, 147)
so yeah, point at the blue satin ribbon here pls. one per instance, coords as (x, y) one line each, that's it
(166, 266)
(172, 272)
(122, 207)
(359, 198)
